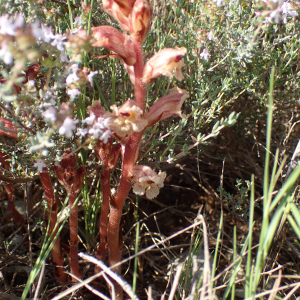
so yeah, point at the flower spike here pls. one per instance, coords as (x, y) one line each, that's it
(163, 63)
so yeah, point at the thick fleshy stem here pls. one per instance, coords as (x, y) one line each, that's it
(52, 209)
(129, 159)
(19, 220)
(72, 179)
(74, 263)
(104, 211)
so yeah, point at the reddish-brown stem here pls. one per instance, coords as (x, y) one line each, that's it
(19, 220)
(140, 87)
(74, 264)
(52, 208)
(129, 159)
(104, 211)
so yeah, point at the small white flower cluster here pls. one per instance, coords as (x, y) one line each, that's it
(44, 33)
(99, 130)
(72, 78)
(8, 27)
(67, 128)
(281, 13)
(205, 54)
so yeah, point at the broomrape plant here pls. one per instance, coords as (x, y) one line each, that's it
(115, 134)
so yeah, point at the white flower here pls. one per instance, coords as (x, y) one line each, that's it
(147, 181)
(47, 34)
(219, 2)
(31, 83)
(287, 10)
(73, 93)
(82, 132)
(58, 42)
(98, 128)
(9, 26)
(6, 54)
(275, 15)
(73, 76)
(205, 54)
(105, 136)
(50, 114)
(210, 36)
(67, 128)
(63, 56)
(90, 77)
(40, 164)
(89, 120)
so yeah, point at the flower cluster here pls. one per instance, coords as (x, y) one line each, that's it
(281, 12)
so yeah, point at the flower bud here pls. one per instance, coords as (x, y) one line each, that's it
(164, 63)
(102, 150)
(140, 19)
(166, 106)
(112, 39)
(66, 173)
(114, 156)
(119, 10)
(32, 72)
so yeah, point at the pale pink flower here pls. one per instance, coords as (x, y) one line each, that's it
(166, 106)
(89, 120)
(8, 26)
(127, 119)
(164, 63)
(90, 77)
(67, 128)
(113, 39)
(6, 54)
(58, 42)
(82, 131)
(50, 114)
(205, 54)
(100, 129)
(73, 93)
(72, 77)
(146, 181)
(47, 34)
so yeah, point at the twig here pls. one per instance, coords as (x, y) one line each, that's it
(125, 286)
(39, 282)
(18, 180)
(175, 281)
(94, 291)
(17, 121)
